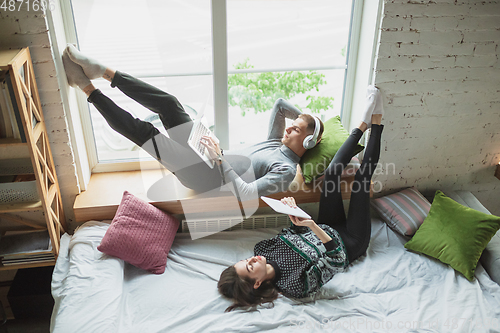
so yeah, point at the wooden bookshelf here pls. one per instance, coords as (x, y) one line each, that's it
(17, 65)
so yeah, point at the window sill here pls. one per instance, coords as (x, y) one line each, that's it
(105, 190)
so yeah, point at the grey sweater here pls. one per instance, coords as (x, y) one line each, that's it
(267, 167)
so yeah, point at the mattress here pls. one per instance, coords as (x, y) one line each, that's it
(388, 290)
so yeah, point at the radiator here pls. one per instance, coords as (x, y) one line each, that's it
(227, 224)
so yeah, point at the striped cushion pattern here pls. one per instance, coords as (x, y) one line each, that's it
(403, 211)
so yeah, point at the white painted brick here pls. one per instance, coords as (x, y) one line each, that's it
(61, 148)
(41, 53)
(56, 123)
(402, 24)
(23, 40)
(400, 37)
(481, 36)
(420, 49)
(463, 49)
(422, 23)
(33, 25)
(24, 15)
(410, 100)
(9, 26)
(438, 105)
(439, 37)
(476, 61)
(53, 110)
(382, 76)
(398, 88)
(61, 159)
(432, 62)
(43, 69)
(444, 9)
(386, 50)
(479, 23)
(448, 23)
(485, 48)
(48, 97)
(404, 9)
(422, 74)
(485, 9)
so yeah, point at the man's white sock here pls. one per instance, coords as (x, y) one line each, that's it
(92, 68)
(74, 73)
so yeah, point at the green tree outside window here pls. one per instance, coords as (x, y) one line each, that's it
(259, 91)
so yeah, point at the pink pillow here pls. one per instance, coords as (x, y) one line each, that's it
(140, 234)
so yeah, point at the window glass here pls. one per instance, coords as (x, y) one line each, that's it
(295, 49)
(163, 42)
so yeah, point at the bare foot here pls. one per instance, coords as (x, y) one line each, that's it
(89, 89)
(109, 74)
(376, 119)
(363, 126)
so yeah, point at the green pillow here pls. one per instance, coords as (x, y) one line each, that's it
(314, 162)
(454, 234)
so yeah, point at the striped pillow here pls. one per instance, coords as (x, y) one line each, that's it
(403, 211)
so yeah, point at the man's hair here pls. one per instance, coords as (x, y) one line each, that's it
(311, 124)
(241, 290)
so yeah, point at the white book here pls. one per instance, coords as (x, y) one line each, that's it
(283, 208)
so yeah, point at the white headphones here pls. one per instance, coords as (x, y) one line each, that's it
(310, 140)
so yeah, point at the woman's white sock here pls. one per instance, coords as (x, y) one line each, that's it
(379, 103)
(371, 100)
(92, 68)
(74, 72)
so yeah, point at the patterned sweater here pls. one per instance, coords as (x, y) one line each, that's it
(303, 263)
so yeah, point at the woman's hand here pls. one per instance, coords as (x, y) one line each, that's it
(298, 221)
(212, 147)
(302, 222)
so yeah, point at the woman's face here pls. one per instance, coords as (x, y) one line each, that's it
(254, 267)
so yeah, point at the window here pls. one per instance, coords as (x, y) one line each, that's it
(295, 49)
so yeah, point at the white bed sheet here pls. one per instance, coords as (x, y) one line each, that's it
(389, 290)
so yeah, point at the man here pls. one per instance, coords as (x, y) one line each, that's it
(265, 168)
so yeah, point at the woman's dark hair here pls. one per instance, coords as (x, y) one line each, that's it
(241, 290)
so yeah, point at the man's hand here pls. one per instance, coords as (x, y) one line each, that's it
(212, 147)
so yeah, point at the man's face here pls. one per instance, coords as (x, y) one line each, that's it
(254, 267)
(295, 134)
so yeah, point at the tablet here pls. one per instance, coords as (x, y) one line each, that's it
(283, 208)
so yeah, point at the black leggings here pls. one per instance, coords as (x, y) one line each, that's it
(355, 230)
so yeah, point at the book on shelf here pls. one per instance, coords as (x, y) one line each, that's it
(28, 260)
(30, 246)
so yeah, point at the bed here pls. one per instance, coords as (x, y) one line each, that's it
(389, 290)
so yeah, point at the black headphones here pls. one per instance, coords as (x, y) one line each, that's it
(311, 140)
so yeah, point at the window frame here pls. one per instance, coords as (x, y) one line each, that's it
(220, 74)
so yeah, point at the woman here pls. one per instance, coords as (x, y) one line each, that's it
(302, 258)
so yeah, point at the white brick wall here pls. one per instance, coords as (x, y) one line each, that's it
(439, 71)
(21, 29)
